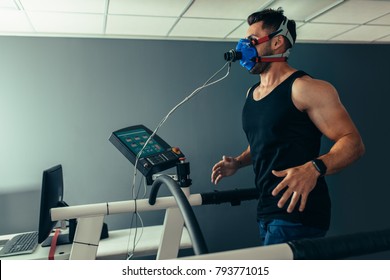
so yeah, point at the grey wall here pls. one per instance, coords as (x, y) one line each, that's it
(61, 98)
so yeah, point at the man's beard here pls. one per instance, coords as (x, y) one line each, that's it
(262, 67)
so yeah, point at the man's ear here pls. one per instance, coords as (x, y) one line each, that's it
(278, 42)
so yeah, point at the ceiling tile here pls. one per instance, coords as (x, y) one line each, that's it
(67, 22)
(298, 24)
(76, 6)
(8, 4)
(364, 33)
(321, 31)
(303, 9)
(385, 20)
(194, 19)
(384, 39)
(148, 7)
(139, 26)
(14, 21)
(226, 9)
(355, 12)
(205, 28)
(239, 32)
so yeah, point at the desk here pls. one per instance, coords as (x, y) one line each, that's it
(113, 247)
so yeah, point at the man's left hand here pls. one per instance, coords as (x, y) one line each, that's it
(298, 181)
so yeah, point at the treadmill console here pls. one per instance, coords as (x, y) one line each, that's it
(156, 156)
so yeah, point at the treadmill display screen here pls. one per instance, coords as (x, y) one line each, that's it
(136, 139)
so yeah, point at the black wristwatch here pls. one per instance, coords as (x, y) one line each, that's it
(320, 166)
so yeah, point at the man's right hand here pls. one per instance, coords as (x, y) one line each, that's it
(224, 168)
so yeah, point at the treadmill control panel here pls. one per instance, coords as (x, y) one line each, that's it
(156, 156)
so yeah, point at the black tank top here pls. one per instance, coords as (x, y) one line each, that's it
(281, 136)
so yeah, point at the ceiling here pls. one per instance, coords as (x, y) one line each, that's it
(322, 21)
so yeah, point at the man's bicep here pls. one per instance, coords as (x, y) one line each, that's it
(329, 114)
(333, 120)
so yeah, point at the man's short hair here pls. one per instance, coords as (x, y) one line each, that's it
(271, 20)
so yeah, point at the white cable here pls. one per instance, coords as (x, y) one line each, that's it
(136, 214)
(131, 253)
(196, 91)
(163, 120)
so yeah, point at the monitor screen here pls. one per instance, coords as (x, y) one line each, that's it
(51, 197)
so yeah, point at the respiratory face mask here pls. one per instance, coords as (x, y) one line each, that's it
(246, 51)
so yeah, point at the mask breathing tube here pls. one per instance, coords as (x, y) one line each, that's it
(246, 51)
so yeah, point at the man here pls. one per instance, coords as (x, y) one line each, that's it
(284, 117)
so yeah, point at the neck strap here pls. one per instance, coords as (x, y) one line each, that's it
(273, 58)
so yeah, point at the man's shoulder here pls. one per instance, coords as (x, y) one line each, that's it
(307, 91)
(306, 83)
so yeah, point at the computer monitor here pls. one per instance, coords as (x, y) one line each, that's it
(51, 197)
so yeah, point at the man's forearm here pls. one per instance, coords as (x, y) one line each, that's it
(245, 158)
(344, 152)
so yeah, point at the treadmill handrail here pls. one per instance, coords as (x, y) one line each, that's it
(198, 242)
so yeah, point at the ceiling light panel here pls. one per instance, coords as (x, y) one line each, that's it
(204, 28)
(76, 6)
(355, 12)
(72, 23)
(364, 33)
(169, 8)
(224, 9)
(304, 9)
(139, 26)
(14, 21)
(321, 31)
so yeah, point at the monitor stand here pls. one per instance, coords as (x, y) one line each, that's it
(63, 239)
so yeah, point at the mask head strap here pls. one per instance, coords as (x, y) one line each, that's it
(282, 30)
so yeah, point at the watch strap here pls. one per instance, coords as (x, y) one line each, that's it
(320, 166)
